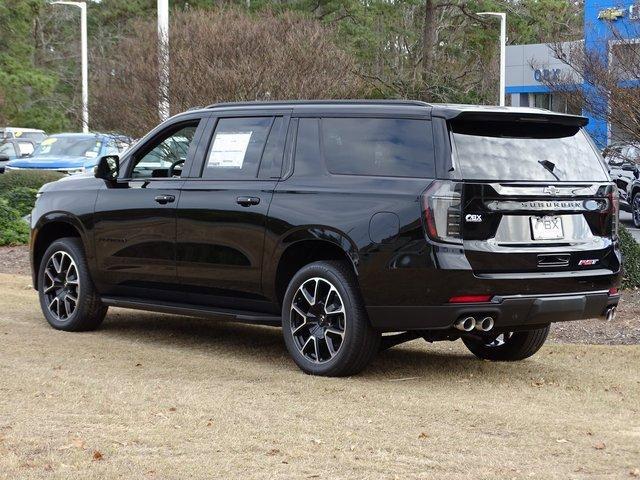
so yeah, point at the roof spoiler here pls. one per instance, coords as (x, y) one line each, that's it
(529, 117)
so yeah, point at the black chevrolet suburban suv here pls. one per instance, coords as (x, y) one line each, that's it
(353, 225)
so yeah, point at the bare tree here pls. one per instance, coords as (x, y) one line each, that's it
(220, 55)
(604, 83)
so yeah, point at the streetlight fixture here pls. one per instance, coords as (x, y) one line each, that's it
(503, 43)
(163, 59)
(85, 63)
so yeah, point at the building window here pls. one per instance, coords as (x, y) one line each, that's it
(542, 100)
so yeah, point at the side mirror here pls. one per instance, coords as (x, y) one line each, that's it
(629, 167)
(4, 158)
(108, 168)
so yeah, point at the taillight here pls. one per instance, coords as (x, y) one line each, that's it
(442, 207)
(614, 210)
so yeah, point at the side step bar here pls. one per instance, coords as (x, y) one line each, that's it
(193, 310)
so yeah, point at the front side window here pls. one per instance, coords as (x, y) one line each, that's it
(390, 147)
(167, 156)
(236, 148)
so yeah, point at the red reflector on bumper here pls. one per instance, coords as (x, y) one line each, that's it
(613, 291)
(470, 299)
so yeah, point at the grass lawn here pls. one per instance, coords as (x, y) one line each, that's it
(157, 396)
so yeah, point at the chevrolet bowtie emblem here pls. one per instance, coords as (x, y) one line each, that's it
(610, 14)
(551, 190)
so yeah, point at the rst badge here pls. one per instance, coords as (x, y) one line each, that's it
(587, 263)
(473, 217)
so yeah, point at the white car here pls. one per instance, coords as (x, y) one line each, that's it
(22, 133)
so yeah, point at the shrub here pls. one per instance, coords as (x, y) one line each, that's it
(630, 259)
(22, 199)
(13, 229)
(266, 56)
(26, 178)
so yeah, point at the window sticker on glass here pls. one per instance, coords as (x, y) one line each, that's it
(229, 150)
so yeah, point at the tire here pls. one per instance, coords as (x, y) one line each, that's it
(63, 275)
(324, 322)
(514, 346)
(635, 209)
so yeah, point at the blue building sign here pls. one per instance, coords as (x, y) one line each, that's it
(530, 68)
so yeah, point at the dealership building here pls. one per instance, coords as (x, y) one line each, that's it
(530, 68)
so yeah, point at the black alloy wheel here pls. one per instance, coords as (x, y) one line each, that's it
(318, 320)
(61, 285)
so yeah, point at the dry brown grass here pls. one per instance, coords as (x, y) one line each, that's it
(169, 397)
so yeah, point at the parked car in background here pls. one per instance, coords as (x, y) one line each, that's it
(22, 133)
(623, 163)
(71, 152)
(340, 221)
(13, 148)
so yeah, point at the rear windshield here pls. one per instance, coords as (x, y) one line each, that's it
(499, 150)
(37, 136)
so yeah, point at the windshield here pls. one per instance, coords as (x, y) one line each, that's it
(69, 147)
(500, 150)
(622, 153)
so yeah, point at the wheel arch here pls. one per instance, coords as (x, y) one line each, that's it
(303, 247)
(50, 228)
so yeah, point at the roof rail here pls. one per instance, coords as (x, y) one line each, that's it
(267, 103)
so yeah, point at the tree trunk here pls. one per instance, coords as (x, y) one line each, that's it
(428, 42)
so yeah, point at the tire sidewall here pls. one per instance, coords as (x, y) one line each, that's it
(512, 349)
(72, 250)
(635, 210)
(326, 272)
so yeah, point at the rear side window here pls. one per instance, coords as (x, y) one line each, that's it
(387, 147)
(501, 150)
(271, 163)
(307, 147)
(236, 148)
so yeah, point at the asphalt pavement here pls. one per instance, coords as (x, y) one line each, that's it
(625, 219)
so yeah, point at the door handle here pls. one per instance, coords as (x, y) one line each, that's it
(164, 199)
(248, 201)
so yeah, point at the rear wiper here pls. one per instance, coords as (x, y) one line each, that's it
(549, 166)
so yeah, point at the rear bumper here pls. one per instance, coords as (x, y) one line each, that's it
(507, 311)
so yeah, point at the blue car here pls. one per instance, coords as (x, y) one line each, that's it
(70, 153)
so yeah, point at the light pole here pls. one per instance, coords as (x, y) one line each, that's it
(163, 59)
(503, 43)
(85, 63)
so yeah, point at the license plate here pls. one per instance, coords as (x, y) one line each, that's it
(546, 228)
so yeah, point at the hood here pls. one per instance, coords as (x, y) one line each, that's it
(53, 162)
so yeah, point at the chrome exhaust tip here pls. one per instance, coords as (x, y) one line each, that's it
(465, 324)
(485, 324)
(610, 314)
